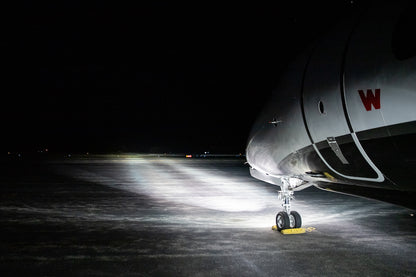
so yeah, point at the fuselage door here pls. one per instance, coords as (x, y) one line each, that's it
(325, 114)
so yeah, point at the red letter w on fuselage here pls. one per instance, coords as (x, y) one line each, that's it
(370, 99)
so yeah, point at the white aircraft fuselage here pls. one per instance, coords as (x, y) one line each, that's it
(343, 116)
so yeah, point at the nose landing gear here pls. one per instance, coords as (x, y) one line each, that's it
(287, 219)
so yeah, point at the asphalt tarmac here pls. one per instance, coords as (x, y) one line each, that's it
(136, 215)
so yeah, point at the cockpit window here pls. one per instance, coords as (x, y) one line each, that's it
(403, 40)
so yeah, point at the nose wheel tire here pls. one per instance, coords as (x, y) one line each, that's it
(296, 221)
(285, 221)
(282, 221)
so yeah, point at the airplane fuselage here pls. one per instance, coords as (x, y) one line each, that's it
(345, 110)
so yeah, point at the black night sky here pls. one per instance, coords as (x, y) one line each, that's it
(156, 76)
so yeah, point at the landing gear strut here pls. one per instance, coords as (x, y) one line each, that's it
(287, 219)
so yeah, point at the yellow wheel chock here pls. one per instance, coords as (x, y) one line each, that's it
(294, 231)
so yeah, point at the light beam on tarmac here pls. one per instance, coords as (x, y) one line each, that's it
(190, 184)
(210, 192)
(193, 192)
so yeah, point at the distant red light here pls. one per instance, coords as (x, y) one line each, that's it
(188, 156)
